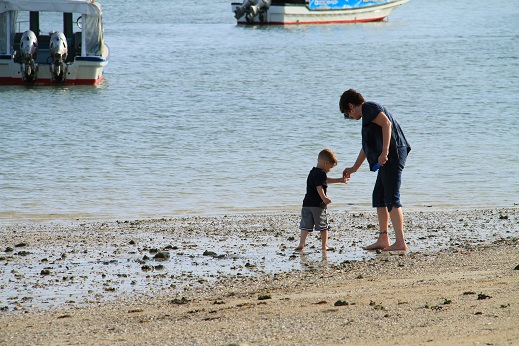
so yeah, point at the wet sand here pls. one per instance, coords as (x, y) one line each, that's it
(236, 280)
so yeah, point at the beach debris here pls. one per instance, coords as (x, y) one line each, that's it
(180, 301)
(516, 267)
(503, 217)
(468, 293)
(135, 310)
(264, 297)
(212, 254)
(341, 303)
(249, 265)
(376, 306)
(482, 296)
(162, 256)
(322, 302)
(211, 318)
(45, 271)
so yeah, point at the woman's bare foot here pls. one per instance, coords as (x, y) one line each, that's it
(378, 245)
(396, 247)
(381, 243)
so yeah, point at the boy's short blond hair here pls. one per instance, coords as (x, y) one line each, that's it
(328, 155)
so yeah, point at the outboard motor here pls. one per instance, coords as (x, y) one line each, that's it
(28, 53)
(251, 9)
(259, 8)
(58, 48)
(244, 8)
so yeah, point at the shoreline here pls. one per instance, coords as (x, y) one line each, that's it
(10, 218)
(218, 267)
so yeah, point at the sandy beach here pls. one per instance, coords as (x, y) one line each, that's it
(235, 280)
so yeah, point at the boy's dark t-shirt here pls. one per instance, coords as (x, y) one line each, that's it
(372, 134)
(316, 177)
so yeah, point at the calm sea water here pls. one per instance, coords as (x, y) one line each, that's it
(199, 116)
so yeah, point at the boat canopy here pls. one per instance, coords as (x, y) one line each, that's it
(88, 7)
(92, 27)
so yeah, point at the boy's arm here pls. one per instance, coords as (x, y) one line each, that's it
(321, 193)
(338, 180)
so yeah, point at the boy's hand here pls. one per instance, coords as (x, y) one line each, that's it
(327, 201)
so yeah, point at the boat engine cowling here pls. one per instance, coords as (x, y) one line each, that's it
(251, 9)
(58, 48)
(28, 55)
(244, 8)
(260, 7)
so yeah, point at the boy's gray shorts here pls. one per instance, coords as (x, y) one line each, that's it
(313, 218)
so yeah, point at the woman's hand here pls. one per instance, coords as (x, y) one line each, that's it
(348, 172)
(382, 159)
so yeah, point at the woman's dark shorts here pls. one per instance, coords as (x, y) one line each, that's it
(386, 192)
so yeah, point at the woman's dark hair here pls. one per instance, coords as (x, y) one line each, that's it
(350, 96)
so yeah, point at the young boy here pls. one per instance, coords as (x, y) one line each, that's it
(313, 213)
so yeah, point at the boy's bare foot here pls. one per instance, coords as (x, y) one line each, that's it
(396, 247)
(299, 248)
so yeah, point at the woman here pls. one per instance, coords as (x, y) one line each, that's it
(383, 143)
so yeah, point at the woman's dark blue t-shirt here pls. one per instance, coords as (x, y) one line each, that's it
(372, 134)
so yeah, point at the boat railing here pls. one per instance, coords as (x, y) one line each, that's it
(20, 22)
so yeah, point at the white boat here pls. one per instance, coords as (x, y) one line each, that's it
(312, 11)
(71, 52)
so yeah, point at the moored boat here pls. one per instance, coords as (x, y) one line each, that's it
(312, 11)
(71, 52)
